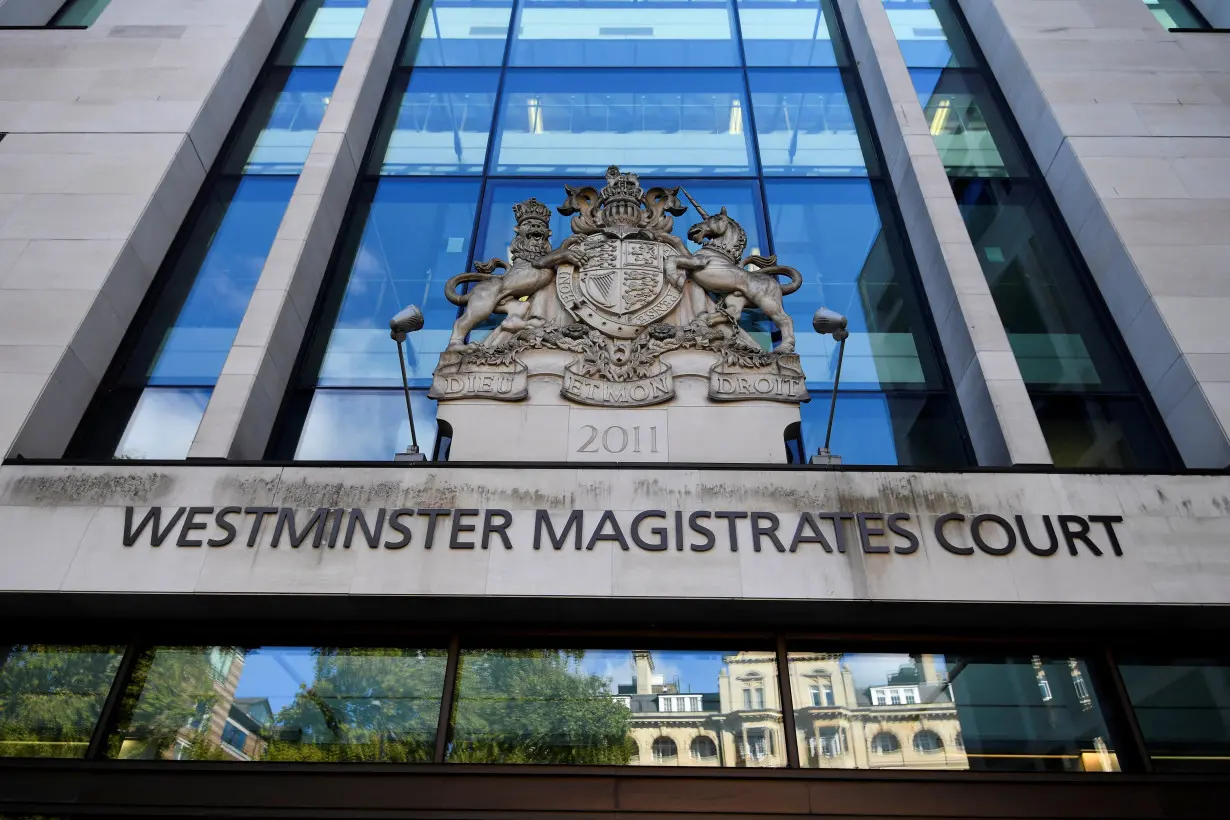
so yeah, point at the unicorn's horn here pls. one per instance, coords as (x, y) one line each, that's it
(699, 209)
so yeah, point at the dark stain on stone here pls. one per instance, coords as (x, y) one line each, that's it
(92, 488)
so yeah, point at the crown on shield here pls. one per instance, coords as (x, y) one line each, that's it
(621, 188)
(531, 209)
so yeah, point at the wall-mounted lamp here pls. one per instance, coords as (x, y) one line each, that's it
(405, 322)
(829, 322)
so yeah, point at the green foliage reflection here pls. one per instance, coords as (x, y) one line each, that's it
(51, 697)
(363, 705)
(536, 706)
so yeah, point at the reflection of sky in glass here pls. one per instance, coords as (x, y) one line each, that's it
(461, 33)
(872, 428)
(921, 35)
(443, 123)
(619, 33)
(329, 35)
(785, 33)
(695, 672)
(196, 346)
(831, 231)
(365, 425)
(163, 424)
(804, 124)
(286, 138)
(580, 122)
(415, 237)
(276, 673)
(871, 669)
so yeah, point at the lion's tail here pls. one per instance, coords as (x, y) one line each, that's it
(450, 287)
(485, 272)
(796, 278)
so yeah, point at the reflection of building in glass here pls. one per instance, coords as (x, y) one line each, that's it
(909, 721)
(225, 727)
(738, 725)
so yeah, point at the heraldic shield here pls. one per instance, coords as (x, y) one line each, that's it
(623, 285)
(621, 299)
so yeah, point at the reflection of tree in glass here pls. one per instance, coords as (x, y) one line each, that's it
(51, 697)
(363, 705)
(536, 706)
(171, 698)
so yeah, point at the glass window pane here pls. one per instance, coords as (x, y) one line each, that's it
(950, 712)
(1056, 336)
(441, 123)
(51, 697)
(928, 33)
(789, 33)
(365, 425)
(878, 429)
(831, 230)
(459, 33)
(80, 12)
(1175, 14)
(164, 423)
(198, 314)
(1183, 708)
(279, 131)
(323, 33)
(414, 235)
(624, 33)
(617, 707)
(970, 134)
(294, 704)
(1100, 432)
(581, 122)
(805, 125)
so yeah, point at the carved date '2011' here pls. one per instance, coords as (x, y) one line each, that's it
(617, 439)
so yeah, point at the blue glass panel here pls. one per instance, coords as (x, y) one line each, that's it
(79, 13)
(966, 123)
(442, 123)
(831, 230)
(928, 34)
(278, 134)
(804, 124)
(323, 33)
(877, 429)
(1176, 14)
(625, 33)
(788, 33)
(415, 236)
(1055, 333)
(677, 123)
(364, 425)
(221, 263)
(164, 423)
(460, 33)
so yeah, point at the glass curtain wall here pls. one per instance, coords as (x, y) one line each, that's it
(155, 394)
(1177, 14)
(78, 13)
(1090, 402)
(971, 707)
(752, 105)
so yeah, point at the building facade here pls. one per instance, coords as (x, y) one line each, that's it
(808, 407)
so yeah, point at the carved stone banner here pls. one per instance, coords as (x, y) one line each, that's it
(626, 292)
(781, 380)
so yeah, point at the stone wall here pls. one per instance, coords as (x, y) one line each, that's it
(66, 530)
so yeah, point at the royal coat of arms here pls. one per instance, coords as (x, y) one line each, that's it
(620, 295)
